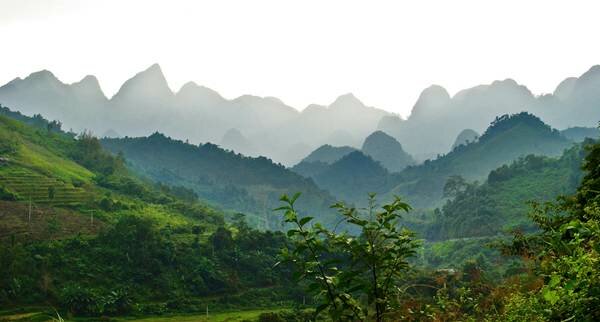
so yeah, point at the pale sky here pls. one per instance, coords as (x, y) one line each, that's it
(303, 52)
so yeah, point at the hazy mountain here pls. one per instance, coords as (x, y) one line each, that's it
(352, 177)
(436, 118)
(235, 141)
(386, 150)
(578, 134)
(111, 134)
(145, 103)
(42, 93)
(328, 154)
(465, 137)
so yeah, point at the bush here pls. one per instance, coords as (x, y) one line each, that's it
(80, 301)
(6, 194)
(8, 143)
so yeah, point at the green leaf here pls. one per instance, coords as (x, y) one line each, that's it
(551, 296)
(304, 220)
(295, 197)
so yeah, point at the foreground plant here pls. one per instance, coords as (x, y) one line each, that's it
(353, 277)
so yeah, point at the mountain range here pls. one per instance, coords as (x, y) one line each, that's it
(267, 126)
(508, 138)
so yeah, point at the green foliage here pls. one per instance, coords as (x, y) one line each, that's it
(507, 139)
(90, 154)
(8, 143)
(353, 176)
(234, 182)
(500, 204)
(566, 252)
(353, 277)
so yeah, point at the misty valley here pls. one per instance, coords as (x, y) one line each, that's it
(157, 205)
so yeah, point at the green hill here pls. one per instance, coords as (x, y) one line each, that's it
(507, 139)
(48, 168)
(81, 233)
(231, 181)
(328, 154)
(353, 177)
(500, 204)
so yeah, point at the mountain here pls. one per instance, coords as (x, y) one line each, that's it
(506, 139)
(145, 104)
(78, 106)
(234, 140)
(352, 177)
(437, 118)
(386, 150)
(229, 180)
(579, 134)
(328, 154)
(575, 102)
(464, 138)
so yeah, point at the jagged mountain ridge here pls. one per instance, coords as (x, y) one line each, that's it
(145, 103)
(436, 118)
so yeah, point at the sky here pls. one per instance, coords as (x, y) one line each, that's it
(304, 52)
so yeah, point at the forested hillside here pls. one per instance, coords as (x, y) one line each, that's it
(507, 139)
(497, 206)
(231, 181)
(81, 233)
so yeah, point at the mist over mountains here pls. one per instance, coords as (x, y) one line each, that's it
(267, 126)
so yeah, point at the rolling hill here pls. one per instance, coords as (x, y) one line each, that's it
(228, 180)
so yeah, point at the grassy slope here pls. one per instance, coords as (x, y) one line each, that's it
(41, 161)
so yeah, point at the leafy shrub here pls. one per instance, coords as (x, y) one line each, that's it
(6, 194)
(79, 300)
(8, 143)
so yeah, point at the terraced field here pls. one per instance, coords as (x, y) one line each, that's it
(30, 185)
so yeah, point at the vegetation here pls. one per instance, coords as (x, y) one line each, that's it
(565, 254)
(354, 278)
(507, 139)
(85, 238)
(228, 180)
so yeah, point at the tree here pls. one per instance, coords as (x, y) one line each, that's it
(355, 278)
(454, 185)
(51, 192)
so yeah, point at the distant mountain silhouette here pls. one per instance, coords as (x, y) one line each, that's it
(436, 118)
(386, 150)
(465, 137)
(579, 134)
(145, 104)
(328, 154)
(235, 141)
